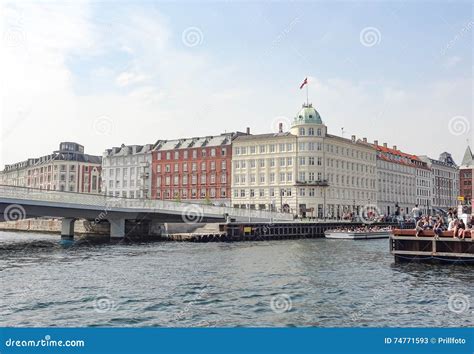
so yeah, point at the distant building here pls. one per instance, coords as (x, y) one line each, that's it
(304, 171)
(67, 169)
(193, 169)
(397, 180)
(445, 182)
(466, 178)
(126, 171)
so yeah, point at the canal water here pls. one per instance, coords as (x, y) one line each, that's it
(315, 282)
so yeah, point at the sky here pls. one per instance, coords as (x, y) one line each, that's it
(103, 73)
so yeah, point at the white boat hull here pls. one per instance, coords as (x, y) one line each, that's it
(357, 235)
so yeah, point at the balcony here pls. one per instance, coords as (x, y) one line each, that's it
(318, 183)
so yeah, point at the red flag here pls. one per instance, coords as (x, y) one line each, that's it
(305, 82)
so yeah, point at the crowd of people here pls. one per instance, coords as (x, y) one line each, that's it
(438, 224)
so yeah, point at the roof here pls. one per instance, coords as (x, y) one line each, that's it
(306, 115)
(125, 150)
(196, 142)
(243, 138)
(395, 156)
(468, 159)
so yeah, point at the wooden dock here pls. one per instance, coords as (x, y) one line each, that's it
(237, 231)
(406, 247)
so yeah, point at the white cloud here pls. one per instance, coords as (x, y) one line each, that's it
(129, 78)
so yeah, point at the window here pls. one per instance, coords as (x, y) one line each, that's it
(252, 149)
(223, 152)
(302, 131)
(176, 155)
(168, 155)
(289, 147)
(289, 177)
(319, 132)
(282, 161)
(289, 161)
(302, 160)
(213, 154)
(262, 149)
(195, 154)
(282, 147)
(213, 165)
(311, 131)
(185, 154)
(223, 165)
(176, 167)
(272, 148)
(282, 177)
(311, 160)
(261, 163)
(262, 178)
(203, 153)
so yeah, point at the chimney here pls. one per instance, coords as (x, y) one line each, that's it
(248, 130)
(385, 145)
(376, 142)
(394, 147)
(353, 138)
(364, 140)
(280, 127)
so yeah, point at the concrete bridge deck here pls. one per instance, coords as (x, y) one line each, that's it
(20, 203)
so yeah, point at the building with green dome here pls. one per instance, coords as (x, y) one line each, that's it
(304, 171)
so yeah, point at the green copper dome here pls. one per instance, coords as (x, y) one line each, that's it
(306, 115)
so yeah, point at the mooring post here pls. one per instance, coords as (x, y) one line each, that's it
(117, 228)
(67, 228)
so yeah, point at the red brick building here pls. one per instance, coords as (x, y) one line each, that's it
(193, 169)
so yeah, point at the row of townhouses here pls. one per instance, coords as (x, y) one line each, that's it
(305, 171)
(67, 169)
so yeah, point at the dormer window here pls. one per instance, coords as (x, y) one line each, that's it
(302, 131)
(300, 117)
(311, 116)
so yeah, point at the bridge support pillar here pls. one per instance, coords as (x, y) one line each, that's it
(67, 228)
(117, 228)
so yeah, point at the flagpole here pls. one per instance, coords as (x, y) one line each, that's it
(307, 99)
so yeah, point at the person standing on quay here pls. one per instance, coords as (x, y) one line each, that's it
(416, 212)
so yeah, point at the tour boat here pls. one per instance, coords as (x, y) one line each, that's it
(357, 235)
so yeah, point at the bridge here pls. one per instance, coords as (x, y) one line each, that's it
(21, 203)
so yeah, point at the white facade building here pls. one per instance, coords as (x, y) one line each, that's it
(305, 171)
(396, 180)
(126, 171)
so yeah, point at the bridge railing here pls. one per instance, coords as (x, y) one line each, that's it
(153, 205)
